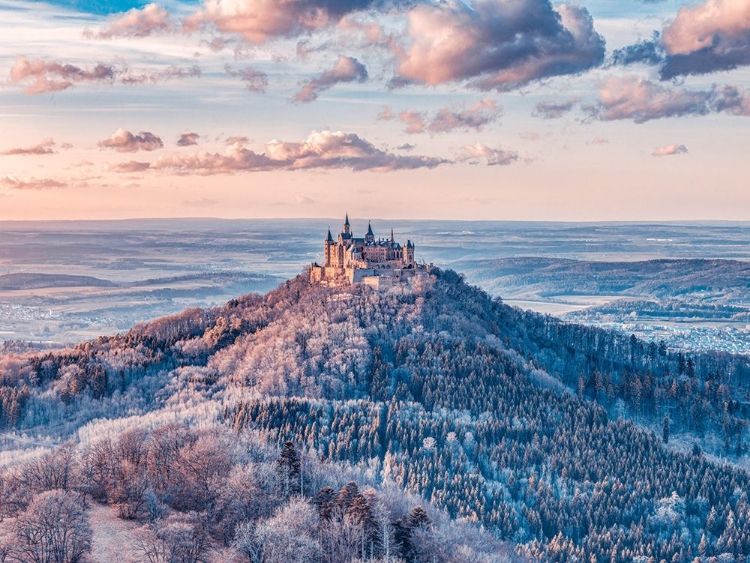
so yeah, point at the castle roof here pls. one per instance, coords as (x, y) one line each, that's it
(369, 230)
(330, 238)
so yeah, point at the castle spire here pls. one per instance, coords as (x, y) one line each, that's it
(347, 227)
(329, 238)
(392, 239)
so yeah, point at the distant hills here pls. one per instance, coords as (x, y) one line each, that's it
(38, 281)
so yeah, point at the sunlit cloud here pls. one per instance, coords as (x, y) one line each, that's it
(444, 120)
(493, 157)
(125, 141)
(321, 150)
(47, 146)
(254, 79)
(346, 69)
(43, 76)
(670, 150)
(138, 22)
(496, 48)
(188, 139)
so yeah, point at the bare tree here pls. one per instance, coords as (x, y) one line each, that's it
(180, 538)
(53, 529)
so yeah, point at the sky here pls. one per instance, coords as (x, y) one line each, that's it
(444, 109)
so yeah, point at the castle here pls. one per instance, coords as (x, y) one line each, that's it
(375, 262)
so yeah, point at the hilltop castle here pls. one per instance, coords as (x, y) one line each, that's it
(375, 262)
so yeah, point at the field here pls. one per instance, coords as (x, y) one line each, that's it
(63, 282)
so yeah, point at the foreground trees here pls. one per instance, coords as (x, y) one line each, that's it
(52, 529)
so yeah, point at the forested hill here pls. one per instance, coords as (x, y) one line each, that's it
(499, 416)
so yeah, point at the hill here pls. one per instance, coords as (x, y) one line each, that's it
(507, 419)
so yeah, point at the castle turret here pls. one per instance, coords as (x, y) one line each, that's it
(327, 246)
(370, 236)
(408, 254)
(347, 227)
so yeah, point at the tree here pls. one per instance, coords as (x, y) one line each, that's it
(53, 529)
(289, 468)
(665, 430)
(180, 538)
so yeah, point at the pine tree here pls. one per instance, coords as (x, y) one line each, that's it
(289, 468)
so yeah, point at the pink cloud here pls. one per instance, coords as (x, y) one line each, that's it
(346, 69)
(321, 150)
(41, 76)
(125, 141)
(47, 146)
(142, 22)
(496, 45)
(632, 97)
(188, 139)
(457, 117)
(493, 157)
(670, 150)
(172, 72)
(413, 120)
(259, 21)
(704, 25)
(255, 80)
(554, 109)
(30, 184)
(129, 167)
(237, 139)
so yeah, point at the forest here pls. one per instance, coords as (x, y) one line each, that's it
(554, 437)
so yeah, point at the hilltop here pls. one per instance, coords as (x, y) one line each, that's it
(492, 415)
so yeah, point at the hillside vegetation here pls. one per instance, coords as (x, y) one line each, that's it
(520, 423)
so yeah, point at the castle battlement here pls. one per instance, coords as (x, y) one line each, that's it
(376, 262)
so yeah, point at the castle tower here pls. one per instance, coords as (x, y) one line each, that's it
(327, 247)
(408, 254)
(347, 227)
(370, 236)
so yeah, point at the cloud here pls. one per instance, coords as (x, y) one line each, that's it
(493, 157)
(708, 37)
(321, 150)
(729, 99)
(386, 114)
(711, 36)
(406, 147)
(125, 141)
(172, 72)
(42, 76)
(631, 97)
(259, 21)
(255, 80)
(188, 139)
(237, 139)
(47, 146)
(31, 184)
(497, 45)
(414, 121)
(142, 22)
(554, 109)
(474, 117)
(129, 167)
(670, 150)
(346, 69)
